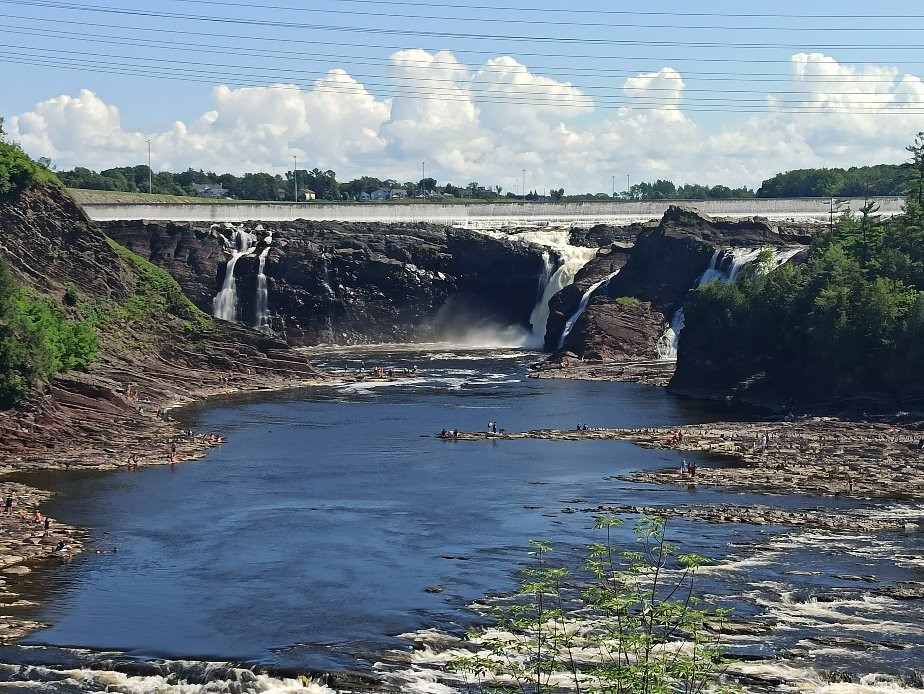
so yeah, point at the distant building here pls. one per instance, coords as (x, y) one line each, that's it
(211, 190)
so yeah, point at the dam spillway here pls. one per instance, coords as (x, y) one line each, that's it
(481, 215)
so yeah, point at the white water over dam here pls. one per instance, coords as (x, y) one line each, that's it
(483, 215)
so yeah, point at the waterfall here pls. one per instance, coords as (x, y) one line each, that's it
(569, 325)
(726, 267)
(224, 305)
(666, 346)
(261, 304)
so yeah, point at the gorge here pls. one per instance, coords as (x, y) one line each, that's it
(333, 527)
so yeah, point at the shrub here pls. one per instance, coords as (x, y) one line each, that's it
(37, 340)
(636, 628)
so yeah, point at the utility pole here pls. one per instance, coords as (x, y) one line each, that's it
(150, 175)
(295, 176)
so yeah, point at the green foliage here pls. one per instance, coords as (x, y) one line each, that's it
(18, 171)
(36, 340)
(635, 629)
(882, 179)
(849, 319)
(157, 295)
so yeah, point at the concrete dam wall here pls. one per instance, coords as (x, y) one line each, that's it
(476, 215)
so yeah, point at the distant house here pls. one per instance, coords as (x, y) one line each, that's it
(211, 190)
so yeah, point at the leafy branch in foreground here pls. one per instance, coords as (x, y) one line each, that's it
(635, 627)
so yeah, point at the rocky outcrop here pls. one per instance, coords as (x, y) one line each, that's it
(566, 302)
(352, 283)
(616, 331)
(633, 310)
(50, 244)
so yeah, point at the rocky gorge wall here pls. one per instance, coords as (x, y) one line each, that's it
(352, 283)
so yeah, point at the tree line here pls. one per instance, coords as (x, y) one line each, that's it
(882, 179)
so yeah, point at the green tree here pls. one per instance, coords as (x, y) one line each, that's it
(638, 616)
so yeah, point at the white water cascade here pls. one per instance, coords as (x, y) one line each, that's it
(552, 279)
(569, 325)
(726, 267)
(224, 305)
(261, 312)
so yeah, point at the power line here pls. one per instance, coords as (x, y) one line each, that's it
(354, 44)
(518, 19)
(276, 24)
(704, 106)
(698, 75)
(424, 82)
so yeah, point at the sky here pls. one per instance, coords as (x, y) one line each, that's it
(580, 95)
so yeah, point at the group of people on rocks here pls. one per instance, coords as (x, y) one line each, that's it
(9, 503)
(390, 372)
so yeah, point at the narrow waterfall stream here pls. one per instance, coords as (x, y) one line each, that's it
(224, 305)
(585, 300)
(261, 313)
(570, 261)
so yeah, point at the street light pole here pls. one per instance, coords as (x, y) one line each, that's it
(150, 175)
(295, 176)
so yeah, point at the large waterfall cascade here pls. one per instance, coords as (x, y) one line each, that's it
(585, 300)
(725, 266)
(570, 260)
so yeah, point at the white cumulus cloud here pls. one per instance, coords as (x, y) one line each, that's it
(489, 123)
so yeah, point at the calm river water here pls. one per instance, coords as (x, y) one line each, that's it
(308, 539)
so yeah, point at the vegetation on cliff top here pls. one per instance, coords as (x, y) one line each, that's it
(17, 170)
(847, 321)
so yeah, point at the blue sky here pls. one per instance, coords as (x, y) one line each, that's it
(574, 92)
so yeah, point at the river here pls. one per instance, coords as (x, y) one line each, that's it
(309, 539)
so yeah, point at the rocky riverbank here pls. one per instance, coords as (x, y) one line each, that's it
(816, 456)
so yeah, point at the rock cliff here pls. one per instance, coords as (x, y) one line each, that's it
(352, 283)
(626, 316)
(150, 337)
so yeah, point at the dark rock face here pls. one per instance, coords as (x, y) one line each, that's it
(353, 283)
(610, 331)
(566, 302)
(603, 235)
(190, 253)
(67, 249)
